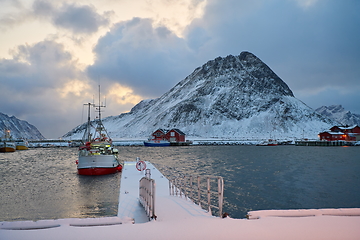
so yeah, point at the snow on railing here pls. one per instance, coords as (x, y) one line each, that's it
(147, 196)
(206, 191)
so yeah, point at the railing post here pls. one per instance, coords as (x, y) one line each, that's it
(220, 194)
(198, 188)
(191, 188)
(208, 194)
(148, 173)
(153, 198)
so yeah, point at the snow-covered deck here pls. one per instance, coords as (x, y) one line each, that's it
(178, 218)
(166, 207)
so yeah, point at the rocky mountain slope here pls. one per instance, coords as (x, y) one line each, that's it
(19, 128)
(236, 97)
(339, 114)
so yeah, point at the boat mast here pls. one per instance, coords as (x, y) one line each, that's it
(87, 134)
(100, 127)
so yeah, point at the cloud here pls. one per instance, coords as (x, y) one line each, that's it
(150, 60)
(43, 84)
(14, 14)
(33, 84)
(79, 19)
(312, 47)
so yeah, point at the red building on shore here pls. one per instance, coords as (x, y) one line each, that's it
(340, 133)
(172, 135)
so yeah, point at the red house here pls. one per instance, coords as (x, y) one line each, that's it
(332, 136)
(159, 134)
(338, 133)
(173, 135)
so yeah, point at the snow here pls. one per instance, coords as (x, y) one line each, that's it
(20, 129)
(179, 218)
(339, 114)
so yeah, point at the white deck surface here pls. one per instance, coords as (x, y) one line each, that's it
(181, 219)
(166, 207)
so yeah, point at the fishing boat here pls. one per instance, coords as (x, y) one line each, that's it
(97, 155)
(156, 143)
(272, 142)
(6, 143)
(21, 144)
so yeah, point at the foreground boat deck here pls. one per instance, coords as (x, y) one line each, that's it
(178, 218)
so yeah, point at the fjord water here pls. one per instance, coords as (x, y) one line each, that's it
(42, 183)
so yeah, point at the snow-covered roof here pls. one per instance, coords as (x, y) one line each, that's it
(348, 128)
(334, 133)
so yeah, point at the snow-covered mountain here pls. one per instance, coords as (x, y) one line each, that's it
(236, 97)
(339, 114)
(19, 128)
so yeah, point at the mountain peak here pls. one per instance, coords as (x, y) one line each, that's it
(246, 71)
(227, 97)
(339, 114)
(19, 128)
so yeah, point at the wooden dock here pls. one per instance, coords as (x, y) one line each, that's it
(323, 143)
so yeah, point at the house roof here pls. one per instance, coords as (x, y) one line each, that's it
(162, 130)
(334, 133)
(348, 128)
(179, 131)
(345, 127)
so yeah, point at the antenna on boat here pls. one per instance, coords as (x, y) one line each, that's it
(100, 127)
(98, 108)
(87, 134)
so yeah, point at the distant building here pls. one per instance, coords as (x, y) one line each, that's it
(172, 135)
(175, 135)
(340, 133)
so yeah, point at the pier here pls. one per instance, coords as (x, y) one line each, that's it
(324, 143)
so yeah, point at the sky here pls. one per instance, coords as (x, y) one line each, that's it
(55, 54)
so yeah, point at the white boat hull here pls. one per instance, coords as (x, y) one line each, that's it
(98, 165)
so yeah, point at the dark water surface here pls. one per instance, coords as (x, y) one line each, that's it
(43, 183)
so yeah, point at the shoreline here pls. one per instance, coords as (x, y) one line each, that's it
(195, 142)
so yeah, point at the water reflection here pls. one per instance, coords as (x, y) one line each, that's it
(43, 183)
(98, 195)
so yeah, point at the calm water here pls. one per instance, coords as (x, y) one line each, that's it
(43, 183)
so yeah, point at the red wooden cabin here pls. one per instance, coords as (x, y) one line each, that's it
(173, 135)
(337, 133)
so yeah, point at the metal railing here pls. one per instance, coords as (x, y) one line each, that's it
(201, 191)
(147, 196)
